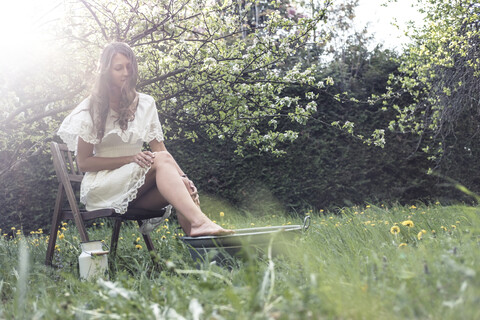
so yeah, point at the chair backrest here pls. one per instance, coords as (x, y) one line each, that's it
(62, 157)
(68, 172)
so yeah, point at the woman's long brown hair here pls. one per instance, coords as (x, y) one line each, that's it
(99, 100)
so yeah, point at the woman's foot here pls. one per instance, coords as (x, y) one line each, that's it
(208, 228)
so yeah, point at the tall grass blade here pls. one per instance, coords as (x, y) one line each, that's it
(22, 280)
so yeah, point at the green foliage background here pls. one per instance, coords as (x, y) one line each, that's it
(324, 168)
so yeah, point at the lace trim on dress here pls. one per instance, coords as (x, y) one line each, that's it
(69, 132)
(154, 132)
(132, 193)
(122, 205)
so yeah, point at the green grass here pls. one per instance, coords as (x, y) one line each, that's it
(348, 265)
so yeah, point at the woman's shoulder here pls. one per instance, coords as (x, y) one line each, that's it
(84, 105)
(85, 102)
(144, 98)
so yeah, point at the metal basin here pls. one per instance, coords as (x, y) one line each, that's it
(223, 248)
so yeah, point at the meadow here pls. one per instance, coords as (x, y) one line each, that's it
(369, 262)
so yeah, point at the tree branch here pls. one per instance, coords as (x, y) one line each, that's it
(96, 19)
(160, 78)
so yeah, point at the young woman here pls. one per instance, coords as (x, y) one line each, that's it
(107, 130)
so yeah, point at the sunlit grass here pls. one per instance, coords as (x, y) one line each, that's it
(369, 262)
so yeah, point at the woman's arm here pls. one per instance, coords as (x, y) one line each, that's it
(89, 163)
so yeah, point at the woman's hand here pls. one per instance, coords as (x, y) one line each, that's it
(144, 159)
(191, 189)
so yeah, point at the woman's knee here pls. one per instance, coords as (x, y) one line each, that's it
(163, 158)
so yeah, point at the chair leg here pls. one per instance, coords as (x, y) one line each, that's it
(115, 235)
(146, 238)
(55, 226)
(150, 247)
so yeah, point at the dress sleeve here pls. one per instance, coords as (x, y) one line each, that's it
(153, 128)
(78, 124)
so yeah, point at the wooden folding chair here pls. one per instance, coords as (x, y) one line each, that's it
(68, 175)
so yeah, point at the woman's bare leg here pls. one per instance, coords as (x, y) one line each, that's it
(171, 189)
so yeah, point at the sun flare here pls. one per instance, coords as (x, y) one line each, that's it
(22, 25)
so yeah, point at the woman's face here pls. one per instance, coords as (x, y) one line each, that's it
(120, 70)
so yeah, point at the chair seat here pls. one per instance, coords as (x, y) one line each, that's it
(131, 214)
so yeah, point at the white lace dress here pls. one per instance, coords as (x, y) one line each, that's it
(113, 188)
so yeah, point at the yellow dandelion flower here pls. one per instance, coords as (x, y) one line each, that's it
(214, 221)
(423, 231)
(31, 232)
(166, 220)
(356, 212)
(321, 210)
(138, 239)
(101, 223)
(61, 236)
(394, 230)
(64, 229)
(138, 246)
(408, 223)
(401, 245)
(437, 202)
(368, 206)
(222, 214)
(413, 207)
(163, 237)
(63, 224)
(443, 228)
(13, 228)
(453, 226)
(252, 224)
(121, 238)
(420, 235)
